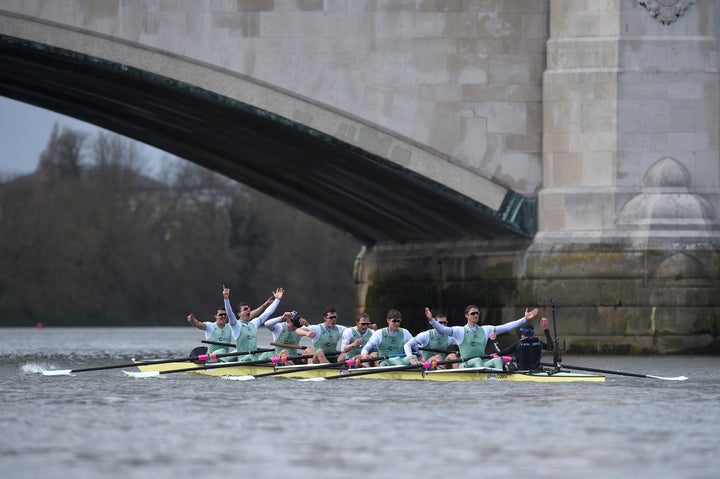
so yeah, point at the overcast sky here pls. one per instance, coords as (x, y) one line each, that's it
(24, 134)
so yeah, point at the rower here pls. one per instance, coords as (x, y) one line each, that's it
(472, 338)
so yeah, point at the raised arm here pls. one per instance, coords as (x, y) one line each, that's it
(544, 324)
(262, 308)
(274, 302)
(438, 327)
(228, 307)
(194, 322)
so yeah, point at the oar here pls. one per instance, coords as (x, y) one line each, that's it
(289, 346)
(200, 357)
(231, 345)
(149, 374)
(293, 369)
(426, 365)
(618, 373)
(441, 351)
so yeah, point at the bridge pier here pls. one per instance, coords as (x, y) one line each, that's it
(627, 242)
(638, 298)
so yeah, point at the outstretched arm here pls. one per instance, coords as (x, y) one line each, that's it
(505, 327)
(194, 322)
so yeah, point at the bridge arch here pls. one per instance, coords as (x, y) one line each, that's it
(359, 177)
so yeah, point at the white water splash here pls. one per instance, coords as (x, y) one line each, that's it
(35, 368)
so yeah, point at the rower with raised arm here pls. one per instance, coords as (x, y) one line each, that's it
(472, 338)
(244, 329)
(390, 341)
(217, 331)
(433, 344)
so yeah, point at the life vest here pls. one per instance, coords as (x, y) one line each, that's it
(355, 335)
(288, 337)
(528, 354)
(391, 344)
(247, 340)
(473, 344)
(438, 342)
(328, 339)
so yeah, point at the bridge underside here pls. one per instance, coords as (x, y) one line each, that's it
(366, 195)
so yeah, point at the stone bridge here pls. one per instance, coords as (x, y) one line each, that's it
(503, 153)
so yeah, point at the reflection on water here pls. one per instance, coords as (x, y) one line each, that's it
(106, 424)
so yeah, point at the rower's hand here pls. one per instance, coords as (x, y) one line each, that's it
(226, 292)
(492, 336)
(311, 334)
(278, 294)
(414, 361)
(530, 314)
(428, 314)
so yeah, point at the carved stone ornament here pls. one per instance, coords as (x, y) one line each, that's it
(666, 11)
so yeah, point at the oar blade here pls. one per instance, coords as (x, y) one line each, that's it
(239, 378)
(56, 372)
(676, 378)
(142, 374)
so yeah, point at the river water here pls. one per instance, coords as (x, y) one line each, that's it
(105, 424)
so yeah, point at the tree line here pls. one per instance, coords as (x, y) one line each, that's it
(89, 240)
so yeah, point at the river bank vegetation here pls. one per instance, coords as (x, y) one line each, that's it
(89, 239)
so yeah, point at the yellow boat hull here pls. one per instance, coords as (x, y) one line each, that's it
(448, 375)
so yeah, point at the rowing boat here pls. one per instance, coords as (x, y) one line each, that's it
(445, 375)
